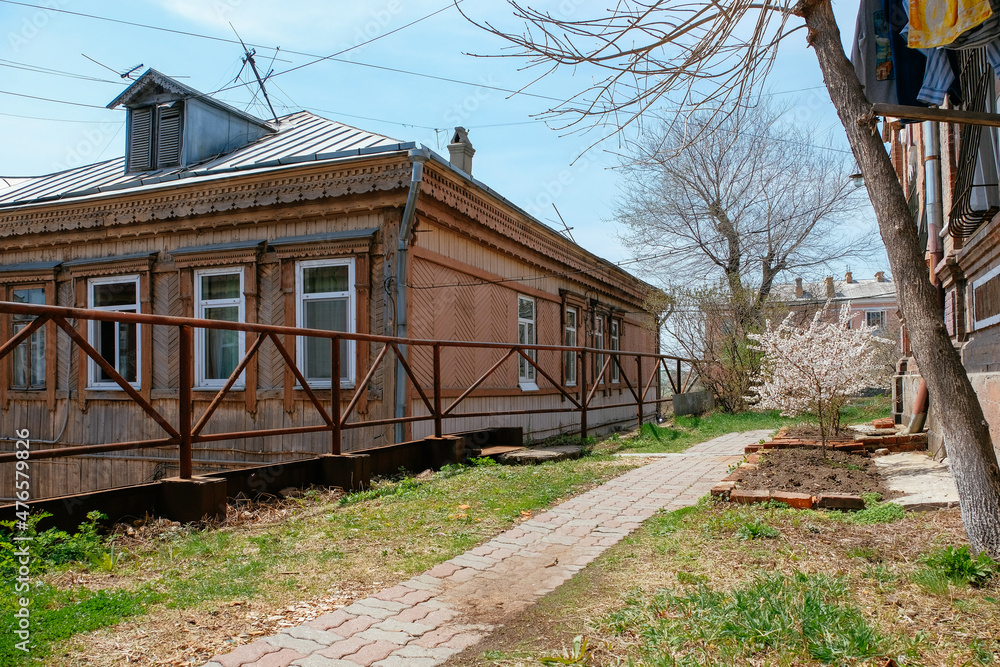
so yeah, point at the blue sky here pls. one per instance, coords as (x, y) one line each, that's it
(518, 156)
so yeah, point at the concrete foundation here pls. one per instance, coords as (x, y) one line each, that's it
(693, 403)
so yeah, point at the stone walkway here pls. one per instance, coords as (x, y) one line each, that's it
(435, 615)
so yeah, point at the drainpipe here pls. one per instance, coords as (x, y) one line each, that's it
(417, 158)
(932, 195)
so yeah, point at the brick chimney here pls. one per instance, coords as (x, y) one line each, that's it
(848, 278)
(830, 291)
(880, 276)
(798, 288)
(460, 150)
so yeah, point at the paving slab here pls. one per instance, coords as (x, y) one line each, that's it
(924, 484)
(542, 454)
(455, 604)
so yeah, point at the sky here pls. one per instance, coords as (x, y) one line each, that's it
(410, 82)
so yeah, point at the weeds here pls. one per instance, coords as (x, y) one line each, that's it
(579, 654)
(755, 530)
(958, 567)
(778, 616)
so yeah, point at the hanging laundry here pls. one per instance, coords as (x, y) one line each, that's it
(941, 22)
(982, 34)
(938, 77)
(872, 53)
(908, 64)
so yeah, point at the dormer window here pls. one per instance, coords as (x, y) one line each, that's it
(154, 136)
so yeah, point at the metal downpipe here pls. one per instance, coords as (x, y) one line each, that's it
(417, 158)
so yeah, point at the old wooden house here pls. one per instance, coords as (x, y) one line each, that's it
(213, 213)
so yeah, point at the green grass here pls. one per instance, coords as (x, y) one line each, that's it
(400, 527)
(682, 432)
(776, 616)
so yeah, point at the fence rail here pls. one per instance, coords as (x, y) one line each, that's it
(189, 431)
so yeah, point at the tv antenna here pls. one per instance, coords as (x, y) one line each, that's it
(566, 231)
(127, 74)
(248, 59)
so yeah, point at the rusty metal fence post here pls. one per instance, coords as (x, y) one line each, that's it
(335, 416)
(186, 351)
(438, 429)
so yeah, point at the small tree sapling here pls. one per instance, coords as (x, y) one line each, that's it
(816, 369)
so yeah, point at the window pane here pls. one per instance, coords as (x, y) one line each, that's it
(571, 319)
(320, 279)
(115, 294)
(330, 315)
(105, 344)
(19, 364)
(37, 357)
(222, 346)
(33, 296)
(220, 286)
(525, 309)
(127, 351)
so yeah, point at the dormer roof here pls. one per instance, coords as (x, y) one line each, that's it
(154, 87)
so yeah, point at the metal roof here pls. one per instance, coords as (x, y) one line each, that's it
(845, 291)
(301, 137)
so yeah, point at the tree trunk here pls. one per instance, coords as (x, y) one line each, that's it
(966, 434)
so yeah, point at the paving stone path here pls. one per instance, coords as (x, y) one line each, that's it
(454, 605)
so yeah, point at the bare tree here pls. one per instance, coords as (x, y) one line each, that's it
(742, 201)
(717, 51)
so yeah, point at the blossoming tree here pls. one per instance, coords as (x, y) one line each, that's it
(814, 370)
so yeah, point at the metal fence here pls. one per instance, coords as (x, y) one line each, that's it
(336, 416)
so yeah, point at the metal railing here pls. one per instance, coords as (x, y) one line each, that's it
(189, 431)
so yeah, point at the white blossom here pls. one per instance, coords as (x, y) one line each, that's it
(814, 370)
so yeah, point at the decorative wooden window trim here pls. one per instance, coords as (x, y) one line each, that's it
(599, 341)
(240, 256)
(571, 338)
(614, 344)
(81, 270)
(577, 303)
(358, 245)
(17, 276)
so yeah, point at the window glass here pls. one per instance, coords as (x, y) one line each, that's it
(326, 301)
(219, 296)
(615, 340)
(116, 342)
(526, 336)
(28, 360)
(570, 341)
(599, 344)
(319, 279)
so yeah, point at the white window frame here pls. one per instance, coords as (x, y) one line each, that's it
(526, 372)
(93, 369)
(569, 358)
(200, 304)
(884, 317)
(599, 344)
(615, 340)
(348, 364)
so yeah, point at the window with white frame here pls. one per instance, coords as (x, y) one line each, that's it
(28, 360)
(326, 300)
(875, 318)
(218, 295)
(599, 344)
(526, 335)
(116, 342)
(615, 341)
(569, 358)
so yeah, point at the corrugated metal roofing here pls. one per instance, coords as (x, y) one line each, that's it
(301, 137)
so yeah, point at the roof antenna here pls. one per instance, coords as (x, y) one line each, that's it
(127, 74)
(566, 228)
(250, 53)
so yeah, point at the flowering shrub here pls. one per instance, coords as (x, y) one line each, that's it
(814, 370)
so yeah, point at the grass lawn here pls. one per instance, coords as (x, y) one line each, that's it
(752, 585)
(166, 594)
(680, 433)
